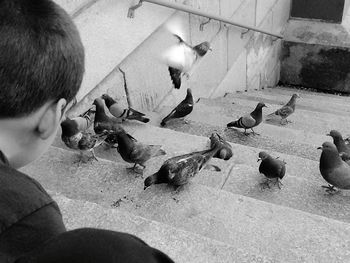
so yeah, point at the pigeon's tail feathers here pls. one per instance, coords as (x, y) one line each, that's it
(273, 113)
(157, 150)
(136, 115)
(167, 118)
(236, 124)
(175, 75)
(179, 38)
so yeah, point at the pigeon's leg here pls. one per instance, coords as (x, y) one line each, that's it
(178, 189)
(93, 154)
(254, 133)
(279, 183)
(245, 132)
(138, 171)
(265, 184)
(330, 189)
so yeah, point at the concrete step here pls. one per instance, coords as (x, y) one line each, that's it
(206, 119)
(311, 121)
(180, 245)
(318, 105)
(306, 104)
(281, 234)
(175, 143)
(307, 94)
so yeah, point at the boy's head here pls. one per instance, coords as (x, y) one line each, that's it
(41, 70)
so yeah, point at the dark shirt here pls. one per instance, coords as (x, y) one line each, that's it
(28, 215)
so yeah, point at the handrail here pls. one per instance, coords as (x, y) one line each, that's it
(200, 13)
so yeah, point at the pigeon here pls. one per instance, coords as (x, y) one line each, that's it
(76, 136)
(333, 169)
(272, 168)
(345, 157)
(177, 170)
(102, 122)
(121, 113)
(339, 142)
(286, 110)
(135, 152)
(184, 108)
(249, 121)
(225, 152)
(181, 58)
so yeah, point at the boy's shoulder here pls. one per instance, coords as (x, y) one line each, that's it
(20, 195)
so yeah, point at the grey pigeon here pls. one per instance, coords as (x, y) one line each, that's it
(135, 152)
(225, 153)
(249, 121)
(286, 110)
(122, 113)
(76, 136)
(272, 168)
(184, 108)
(333, 169)
(102, 122)
(182, 57)
(339, 142)
(177, 170)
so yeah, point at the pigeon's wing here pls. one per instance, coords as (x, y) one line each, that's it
(175, 75)
(248, 121)
(190, 57)
(175, 56)
(285, 111)
(183, 109)
(132, 138)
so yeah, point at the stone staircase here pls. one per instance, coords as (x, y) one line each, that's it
(219, 216)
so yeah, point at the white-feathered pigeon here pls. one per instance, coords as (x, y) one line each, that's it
(181, 58)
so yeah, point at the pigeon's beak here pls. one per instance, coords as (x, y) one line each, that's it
(328, 134)
(259, 159)
(210, 49)
(319, 148)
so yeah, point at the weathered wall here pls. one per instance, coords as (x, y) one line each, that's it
(114, 42)
(316, 55)
(316, 66)
(257, 62)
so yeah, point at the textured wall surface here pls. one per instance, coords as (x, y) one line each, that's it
(113, 42)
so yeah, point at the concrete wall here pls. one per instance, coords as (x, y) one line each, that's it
(122, 54)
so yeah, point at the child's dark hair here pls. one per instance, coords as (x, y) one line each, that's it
(41, 56)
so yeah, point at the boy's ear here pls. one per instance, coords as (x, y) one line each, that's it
(51, 118)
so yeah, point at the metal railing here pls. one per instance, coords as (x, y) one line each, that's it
(194, 11)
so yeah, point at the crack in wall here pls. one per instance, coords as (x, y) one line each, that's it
(126, 88)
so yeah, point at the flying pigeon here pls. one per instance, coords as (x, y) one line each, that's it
(225, 152)
(102, 122)
(249, 121)
(135, 152)
(339, 142)
(273, 169)
(286, 110)
(184, 108)
(76, 136)
(181, 58)
(177, 170)
(333, 169)
(121, 113)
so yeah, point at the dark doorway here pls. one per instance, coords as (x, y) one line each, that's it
(326, 10)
